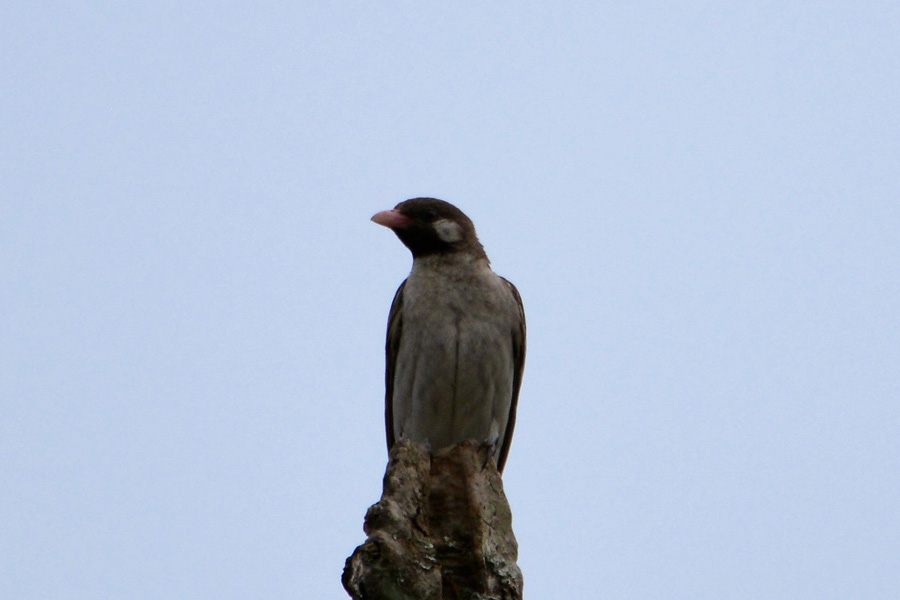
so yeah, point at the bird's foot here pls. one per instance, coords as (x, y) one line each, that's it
(489, 449)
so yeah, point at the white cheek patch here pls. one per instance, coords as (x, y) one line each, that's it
(448, 231)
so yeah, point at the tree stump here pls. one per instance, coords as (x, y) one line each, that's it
(441, 531)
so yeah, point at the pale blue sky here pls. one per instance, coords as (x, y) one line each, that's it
(700, 204)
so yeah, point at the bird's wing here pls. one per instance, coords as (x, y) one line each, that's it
(395, 327)
(518, 346)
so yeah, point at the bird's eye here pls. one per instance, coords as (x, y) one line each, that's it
(430, 215)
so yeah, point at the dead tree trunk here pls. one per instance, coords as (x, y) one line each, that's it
(442, 531)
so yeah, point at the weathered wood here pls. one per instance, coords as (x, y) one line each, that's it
(441, 531)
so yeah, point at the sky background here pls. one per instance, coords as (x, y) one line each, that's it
(699, 203)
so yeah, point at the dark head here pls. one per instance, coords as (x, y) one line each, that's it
(429, 226)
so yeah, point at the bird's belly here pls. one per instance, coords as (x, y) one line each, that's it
(453, 380)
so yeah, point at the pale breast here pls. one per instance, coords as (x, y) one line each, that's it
(453, 377)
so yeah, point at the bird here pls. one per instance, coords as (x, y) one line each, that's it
(455, 349)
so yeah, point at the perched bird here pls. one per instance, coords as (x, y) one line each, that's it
(456, 335)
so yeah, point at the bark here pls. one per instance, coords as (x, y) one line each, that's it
(442, 531)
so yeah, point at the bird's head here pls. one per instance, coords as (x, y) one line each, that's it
(428, 226)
